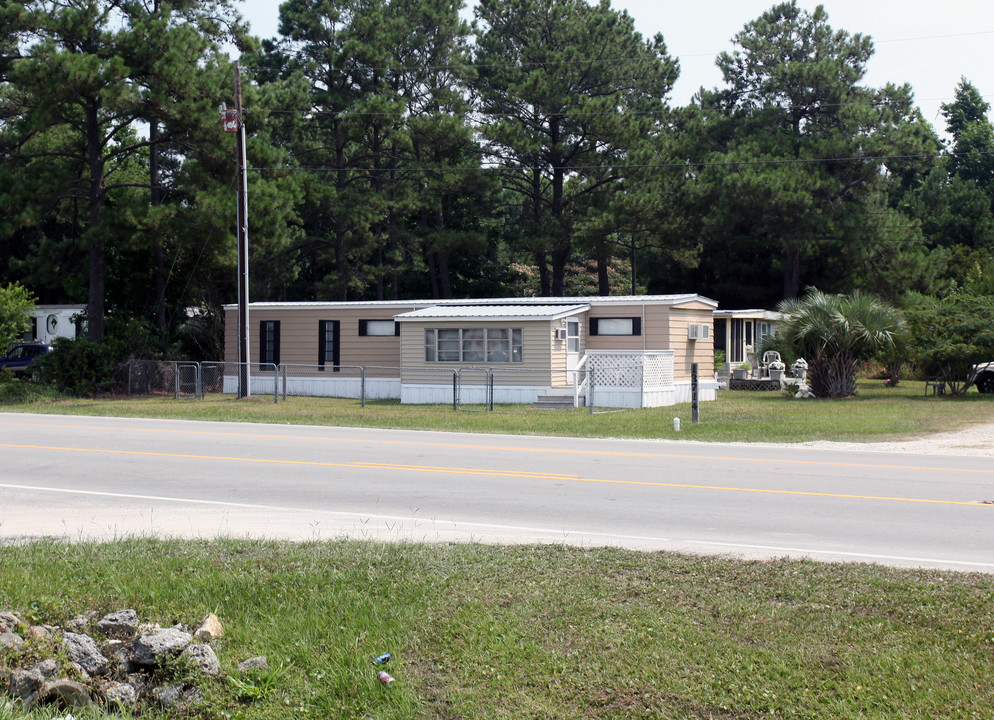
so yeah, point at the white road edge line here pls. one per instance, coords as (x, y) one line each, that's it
(561, 532)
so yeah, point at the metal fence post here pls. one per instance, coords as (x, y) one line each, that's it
(642, 384)
(590, 391)
(362, 387)
(176, 378)
(455, 391)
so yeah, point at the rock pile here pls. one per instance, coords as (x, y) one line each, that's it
(114, 661)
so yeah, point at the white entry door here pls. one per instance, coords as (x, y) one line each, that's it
(572, 344)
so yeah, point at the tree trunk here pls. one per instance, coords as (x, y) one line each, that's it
(543, 273)
(341, 184)
(792, 271)
(444, 275)
(833, 377)
(603, 283)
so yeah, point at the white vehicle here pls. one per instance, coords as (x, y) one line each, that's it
(982, 375)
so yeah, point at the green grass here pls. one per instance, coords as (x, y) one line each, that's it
(546, 632)
(876, 413)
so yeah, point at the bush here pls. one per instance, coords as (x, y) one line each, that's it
(951, 334)
(82, 368)
(18, 391)
(79, 367)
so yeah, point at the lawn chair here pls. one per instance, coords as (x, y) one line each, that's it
(769, 356)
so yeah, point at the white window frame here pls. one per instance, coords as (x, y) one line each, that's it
(474, 345)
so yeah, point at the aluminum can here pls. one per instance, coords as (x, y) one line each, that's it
(384, 678)
(384, 658)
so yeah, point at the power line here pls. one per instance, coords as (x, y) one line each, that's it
(682, 164)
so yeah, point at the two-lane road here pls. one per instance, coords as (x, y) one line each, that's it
(88, 477)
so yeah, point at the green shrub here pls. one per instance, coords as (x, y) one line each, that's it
(80, 368)
(19, 391)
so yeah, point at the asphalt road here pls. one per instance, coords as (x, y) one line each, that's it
(100, 478)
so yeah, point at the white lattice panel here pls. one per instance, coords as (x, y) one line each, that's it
(632, 370)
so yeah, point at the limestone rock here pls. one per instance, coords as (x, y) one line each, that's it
(204, 658)
(24, 683)
(122, 622)
(47, 668)
(118, 694)
(10, 640)
(81, 622)
(67, 693)
(38, 632)
(210, 630)
(9, 622)
(168, 695)
(254, 663)
(148, 649)
(83, 651)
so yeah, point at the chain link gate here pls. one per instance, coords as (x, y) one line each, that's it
(474, 390)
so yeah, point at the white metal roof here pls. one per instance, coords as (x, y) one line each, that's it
(493, 313)
(593, 301)
(755, 313)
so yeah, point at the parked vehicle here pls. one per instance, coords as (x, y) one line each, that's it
(21, 357)
(982, 375)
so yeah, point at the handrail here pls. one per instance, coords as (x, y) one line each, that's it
(578, 386)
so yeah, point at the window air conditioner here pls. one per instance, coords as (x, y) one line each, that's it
(698, 331)
(560, 333)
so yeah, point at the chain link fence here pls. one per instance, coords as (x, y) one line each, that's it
(612, 381)
(174, 378)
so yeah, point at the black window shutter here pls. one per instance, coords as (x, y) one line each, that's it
(363, 328)
(267, 350)
(322, 342)
(636, 326)
(593, 326)
(336, 343)
(396, 328)
(276, 342)
(323, 327)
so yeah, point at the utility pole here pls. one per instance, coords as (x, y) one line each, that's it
(244, 358)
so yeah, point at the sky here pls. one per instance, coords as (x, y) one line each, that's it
(930, 44)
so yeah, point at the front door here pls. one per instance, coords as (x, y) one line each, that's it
(572, 343)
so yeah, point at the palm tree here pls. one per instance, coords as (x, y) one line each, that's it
(835, 333)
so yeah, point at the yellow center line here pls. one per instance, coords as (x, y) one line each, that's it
(365, 465)
(546, 450)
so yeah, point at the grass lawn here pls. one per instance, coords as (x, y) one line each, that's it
(546, 632)
(876, 413)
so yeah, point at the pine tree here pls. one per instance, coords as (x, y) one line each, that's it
(81, 74)
(566, 90)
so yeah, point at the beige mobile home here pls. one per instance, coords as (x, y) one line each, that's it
(637, 350)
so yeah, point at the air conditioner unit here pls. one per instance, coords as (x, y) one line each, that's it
(560, 333)
(698, 331)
